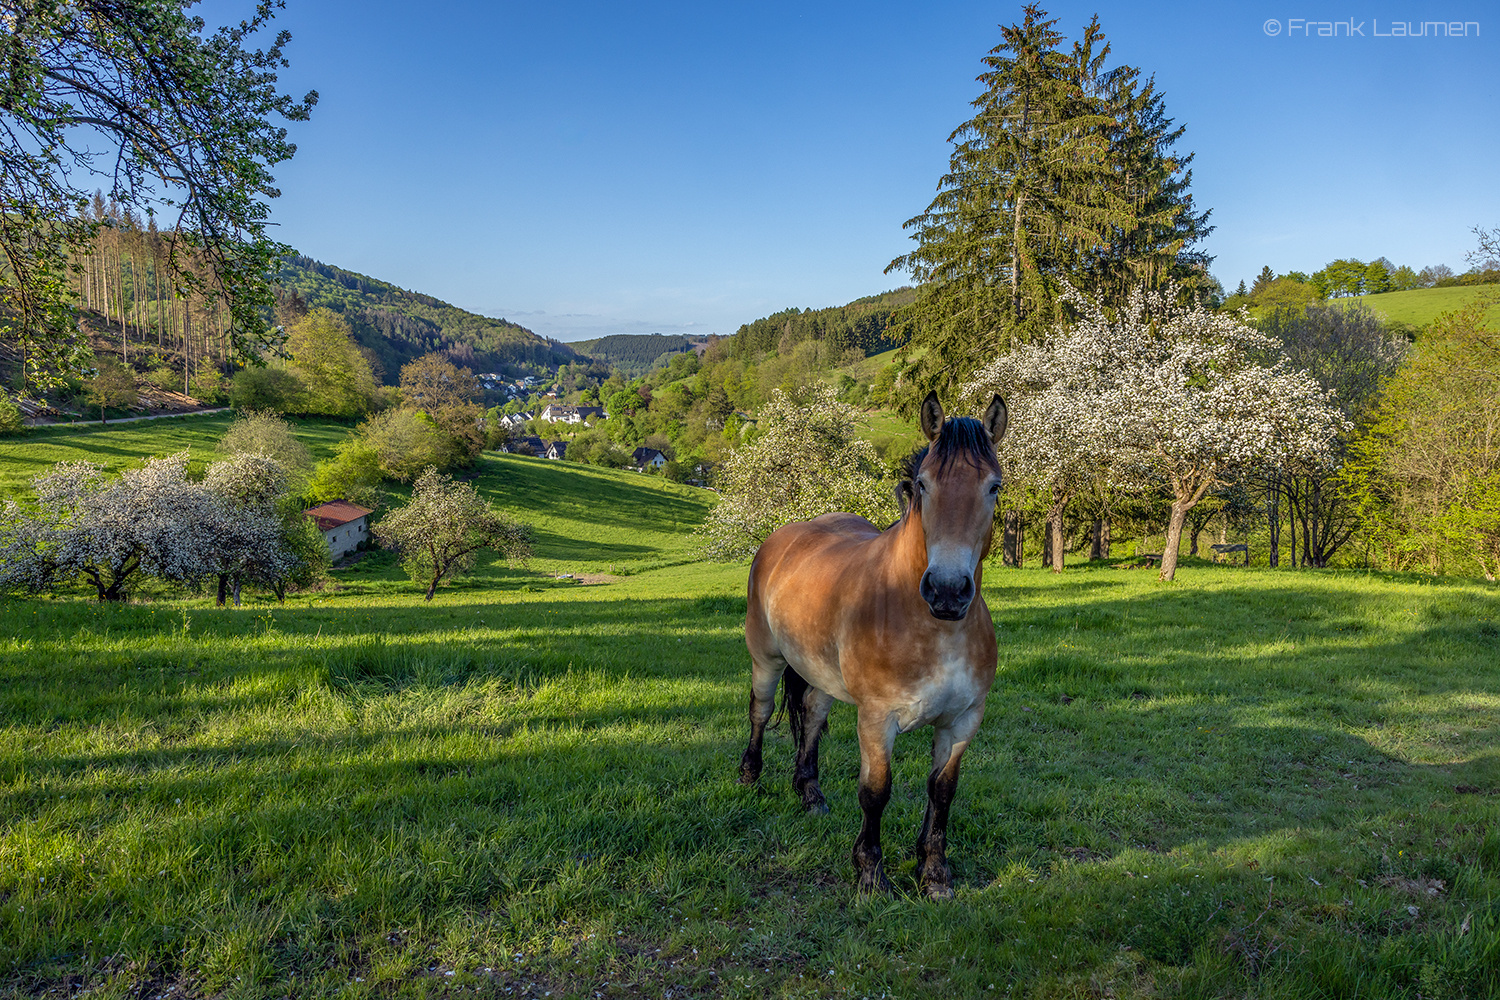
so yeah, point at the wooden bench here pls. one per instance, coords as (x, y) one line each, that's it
(1225, 550)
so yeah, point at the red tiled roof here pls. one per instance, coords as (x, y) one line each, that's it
(335, 512)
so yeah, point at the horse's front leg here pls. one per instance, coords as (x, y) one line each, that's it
(877, 733)
(948, 744)
(764, 676)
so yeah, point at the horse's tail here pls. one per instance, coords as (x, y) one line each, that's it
(794, 706)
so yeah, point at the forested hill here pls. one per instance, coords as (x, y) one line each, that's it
(399, 326)
(864, 324)
(633, 353)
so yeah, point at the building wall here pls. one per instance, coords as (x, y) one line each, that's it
(346, 537)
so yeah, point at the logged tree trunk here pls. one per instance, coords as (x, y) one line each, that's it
(1174, 539)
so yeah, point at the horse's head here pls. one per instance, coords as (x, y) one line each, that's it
(951, 486)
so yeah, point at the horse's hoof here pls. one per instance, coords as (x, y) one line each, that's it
(874, 883)
(815, 804)
(938, 890)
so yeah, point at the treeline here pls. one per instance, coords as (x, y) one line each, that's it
(1349, 277)
(399, 326)
(864, 326)
(633, 353)
(133, 298)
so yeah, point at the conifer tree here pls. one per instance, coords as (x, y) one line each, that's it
(1064, 174)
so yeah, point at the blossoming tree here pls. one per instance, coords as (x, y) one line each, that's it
(1165, 392)
(439, 531)
(151, 521)
(806, 462)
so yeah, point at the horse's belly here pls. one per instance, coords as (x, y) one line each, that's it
(822, 674)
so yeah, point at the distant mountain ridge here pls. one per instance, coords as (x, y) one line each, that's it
(398, 326)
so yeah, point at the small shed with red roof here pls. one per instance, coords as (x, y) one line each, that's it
(343, 524)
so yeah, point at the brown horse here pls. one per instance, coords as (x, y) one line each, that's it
(890, 621)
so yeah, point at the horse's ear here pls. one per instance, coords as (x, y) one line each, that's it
(932, 416)
(995, 418)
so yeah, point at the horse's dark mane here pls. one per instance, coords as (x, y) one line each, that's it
(960, 437)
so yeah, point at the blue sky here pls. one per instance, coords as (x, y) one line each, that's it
(585, 169)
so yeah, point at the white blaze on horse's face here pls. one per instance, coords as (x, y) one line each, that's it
(956, 489)
(957, 511)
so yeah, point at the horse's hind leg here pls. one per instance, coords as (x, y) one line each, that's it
(765, 674)
(948, 745)
(815, 707)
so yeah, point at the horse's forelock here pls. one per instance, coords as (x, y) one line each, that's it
(963, 438)
(960, 438)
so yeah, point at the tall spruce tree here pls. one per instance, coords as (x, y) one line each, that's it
(1065, 173)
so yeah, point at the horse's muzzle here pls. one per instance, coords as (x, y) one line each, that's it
(948, 597)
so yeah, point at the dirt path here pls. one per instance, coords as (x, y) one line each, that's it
(131, 420)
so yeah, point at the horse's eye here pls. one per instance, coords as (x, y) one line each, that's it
(995, 490)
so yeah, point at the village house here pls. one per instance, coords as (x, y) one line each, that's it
(528, 445)
(514, 420)
(648, 458)
(557, 450)
(343, 524)
(568, 414)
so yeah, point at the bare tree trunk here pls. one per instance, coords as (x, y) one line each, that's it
(1180, 510)
(1010, 539)
(1273, 518)
(223, 590)
(1055, 529)
(1096, 540)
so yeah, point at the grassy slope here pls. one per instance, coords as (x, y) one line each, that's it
(120, 445)
(1236, 785)
(1421, 306)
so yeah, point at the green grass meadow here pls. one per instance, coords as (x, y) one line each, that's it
(1243, 784)
(1420, 306)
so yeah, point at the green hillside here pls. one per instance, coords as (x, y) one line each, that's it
(587, 519)
(398, 325)
(864, 324)
(633, 353)
(1420, 306)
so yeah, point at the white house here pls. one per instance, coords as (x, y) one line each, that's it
(647, 458)
(514, 420)
(564, 413)
(343, 524)
(557, 450)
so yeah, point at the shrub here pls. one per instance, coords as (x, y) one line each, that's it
(273, 389)
(352, 474)
(406, 442)
(11, 420)
(266, 434)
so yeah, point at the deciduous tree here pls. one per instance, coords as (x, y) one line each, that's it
(177, 119)
(807, 461)
(444, 525)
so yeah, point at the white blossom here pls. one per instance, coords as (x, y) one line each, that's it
(1160, 392)
(807, 461)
